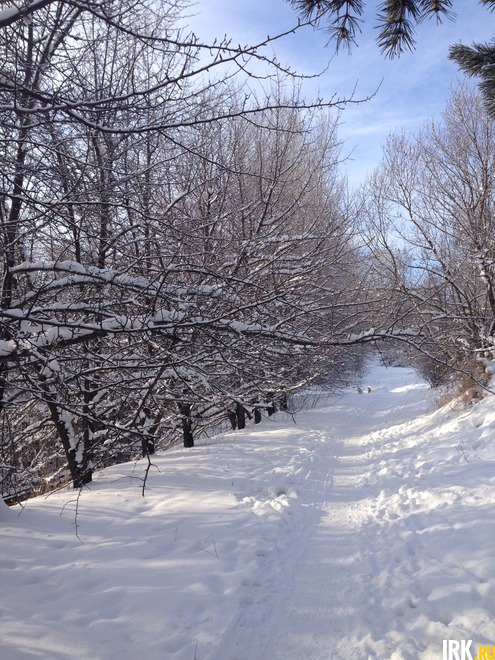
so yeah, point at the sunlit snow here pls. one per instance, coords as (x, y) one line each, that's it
(362, 529)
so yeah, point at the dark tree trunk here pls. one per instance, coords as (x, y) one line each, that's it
(80, 467)
(78, 454)
(282, 398)
(148, 435)
(147, 446)
(185, 411)
(257, 414)
(232, 419)
(271, 409)
(241, 415)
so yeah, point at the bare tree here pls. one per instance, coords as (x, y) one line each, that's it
(435, 194)
(172, 250)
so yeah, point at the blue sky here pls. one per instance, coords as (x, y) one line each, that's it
(409, 90)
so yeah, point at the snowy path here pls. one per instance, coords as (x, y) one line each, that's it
(401, 556)
(363, 530)
(335, 589)
(331, 578)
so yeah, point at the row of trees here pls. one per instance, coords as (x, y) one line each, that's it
(177, 254)
(430, 207)
(428, 210)
(174, 253)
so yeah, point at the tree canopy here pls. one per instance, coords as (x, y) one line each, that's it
(174, 252)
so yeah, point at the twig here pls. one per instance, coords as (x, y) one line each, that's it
(146, 472)
(76, 514)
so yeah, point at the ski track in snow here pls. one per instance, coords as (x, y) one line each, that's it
(363, 530)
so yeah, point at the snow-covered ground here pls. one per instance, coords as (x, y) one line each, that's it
(362, 529)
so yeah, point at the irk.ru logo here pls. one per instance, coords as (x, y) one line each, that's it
(454, 650)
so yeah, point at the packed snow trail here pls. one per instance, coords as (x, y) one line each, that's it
(361, 529)
(332, 607)
(397, 559)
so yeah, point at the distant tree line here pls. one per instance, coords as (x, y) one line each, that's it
(429, 210)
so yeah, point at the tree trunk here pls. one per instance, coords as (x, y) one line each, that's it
(257, 414)
(271, 409)
(78, 455)
(282, 398)
(241, 415)
(185, 411)
(232, 419)
(149, 434)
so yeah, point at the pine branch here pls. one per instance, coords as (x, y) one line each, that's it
(478, 60)
(397, 18)
(438, 8)
(343, 17)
